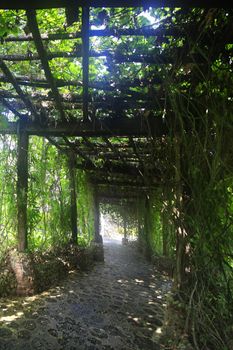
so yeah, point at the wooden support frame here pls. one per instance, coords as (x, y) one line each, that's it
(160, 31)
(78, 151)
(43, 4)
(56, 144)
(22, 189)
(115, 150)
(97, 85)
(73, 196)
(133, 145)
(108, 127)
(33, 25)
(12, 109)
(160, 59)
(97, 236)
(85, 56)
(111, 86)
(7, 73)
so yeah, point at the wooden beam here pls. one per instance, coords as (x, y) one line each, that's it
(111, 168)
(85, 59)
(22, 189)
(79, 152)
(56, 144)
(98, 85)
(91, 150)
(43, 4)
(10, 77)
(110, 86)
(161, 31)
(33, 26)
(118, 184)
(73, 201)
(117, 200)
(125, 104)
(114, 150)
(158, 59)
(97, 236)
(26, 81)
(135, 149)
(9, 106)
(125, 194)
(109, 127)
(90, 145)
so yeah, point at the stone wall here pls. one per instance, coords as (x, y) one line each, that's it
(8, 283)
(27, 273)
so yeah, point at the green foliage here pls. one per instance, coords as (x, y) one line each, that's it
(195, 210)
(7, 193)
(48, 197)
(151, 232)
(124, 215)
(202, 203)
(85, 207)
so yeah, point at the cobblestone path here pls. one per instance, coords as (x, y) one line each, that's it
(117, 305)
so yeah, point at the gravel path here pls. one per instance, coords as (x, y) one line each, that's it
(117, 305)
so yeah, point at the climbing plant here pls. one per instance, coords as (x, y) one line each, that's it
(181, 76)
(85, 207)
(7, 193)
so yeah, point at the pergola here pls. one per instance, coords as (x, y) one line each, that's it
(122, 121)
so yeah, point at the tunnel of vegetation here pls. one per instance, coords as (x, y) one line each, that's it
(100, 104)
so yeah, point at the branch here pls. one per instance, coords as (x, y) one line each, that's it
(32, 23)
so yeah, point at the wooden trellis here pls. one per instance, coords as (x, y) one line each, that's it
(89, 137)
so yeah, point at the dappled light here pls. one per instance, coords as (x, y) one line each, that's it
(116, 175)
(110, 305)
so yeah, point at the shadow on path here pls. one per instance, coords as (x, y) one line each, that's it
(117, 305)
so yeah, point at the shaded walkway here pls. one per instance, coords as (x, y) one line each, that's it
(117, 305)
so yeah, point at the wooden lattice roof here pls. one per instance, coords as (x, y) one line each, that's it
(95, 81)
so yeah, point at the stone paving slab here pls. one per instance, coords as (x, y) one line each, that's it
(118, 305)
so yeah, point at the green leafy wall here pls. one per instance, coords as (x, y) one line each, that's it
(7, 192)
(48, 197)
(155, 227)
(85, 208)
(150, 227)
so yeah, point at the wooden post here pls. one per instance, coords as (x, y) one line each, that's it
(180, 229)
(22, 189)
(73, 203)
(85, 52)
(125, 239)
(125, 228)
(97, 237)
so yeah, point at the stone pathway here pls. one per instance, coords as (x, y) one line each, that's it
(117, 305)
